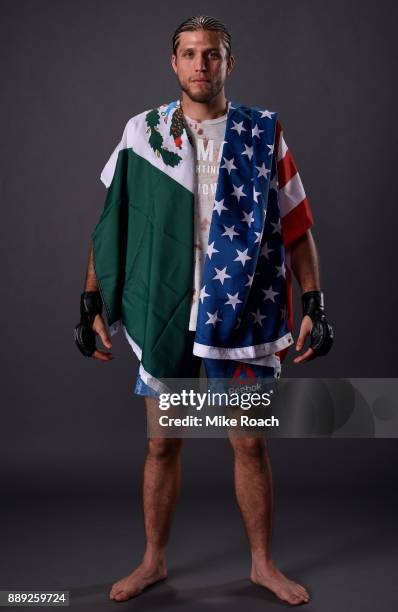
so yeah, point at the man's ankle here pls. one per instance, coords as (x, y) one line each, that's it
(262, 559)
(154, 558)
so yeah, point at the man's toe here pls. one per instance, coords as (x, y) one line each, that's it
(121, 596)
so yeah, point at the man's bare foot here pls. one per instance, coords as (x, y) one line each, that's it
(137, 581)
(271, 578)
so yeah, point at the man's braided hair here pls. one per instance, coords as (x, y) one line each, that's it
(203, 22)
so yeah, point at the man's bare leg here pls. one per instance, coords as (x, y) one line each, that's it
(254, 492)
(162, 482)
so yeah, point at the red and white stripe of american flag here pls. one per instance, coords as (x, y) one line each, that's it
(296, 216)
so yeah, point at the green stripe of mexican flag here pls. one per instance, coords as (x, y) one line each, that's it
(143, 242)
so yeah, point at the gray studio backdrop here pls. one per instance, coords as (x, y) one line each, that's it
(73, 73)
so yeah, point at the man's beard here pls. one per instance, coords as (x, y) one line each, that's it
(205, 96)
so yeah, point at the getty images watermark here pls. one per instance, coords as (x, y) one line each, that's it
(245, 398)
(212, 407)
(285, 408)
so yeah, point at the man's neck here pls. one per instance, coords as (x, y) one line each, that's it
(200, 111)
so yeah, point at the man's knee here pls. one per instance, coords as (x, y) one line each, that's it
(248, 446)
(163, 449)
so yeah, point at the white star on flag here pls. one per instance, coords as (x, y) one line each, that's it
(213, 318)
(243, 257)
(262, 171)
(281, 270)
(238, 192)
(277, 227)
(270, 294)
(238, 127)
(247, 218)
(265, 251)
(259, 235)
(274, 183)
(221, 275)
(266, 114)
(258, 317)
(248, 151)
(211, 250)
(250, 281)
(271, 149)
(255, 194)
(233, 300)
(219, 206)
(229, 164)
(256, 131)
(203, 294)
(230, 232)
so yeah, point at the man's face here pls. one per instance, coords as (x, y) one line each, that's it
(201, 64)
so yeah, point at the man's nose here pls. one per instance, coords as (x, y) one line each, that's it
(201, 63)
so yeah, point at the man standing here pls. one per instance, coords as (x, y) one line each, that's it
(205, 220)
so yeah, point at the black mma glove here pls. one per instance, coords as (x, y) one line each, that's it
(322, 332)
(90, 306)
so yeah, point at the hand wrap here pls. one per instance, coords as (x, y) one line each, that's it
(322, 332)
(90, 306)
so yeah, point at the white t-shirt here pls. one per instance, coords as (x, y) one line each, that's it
(208, 140)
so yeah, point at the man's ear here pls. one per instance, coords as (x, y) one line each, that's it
(231, 64)
(173, 60)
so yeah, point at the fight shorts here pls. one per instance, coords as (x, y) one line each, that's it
(235, 371)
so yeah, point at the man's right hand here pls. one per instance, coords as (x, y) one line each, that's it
(100, 329)
(91, 325)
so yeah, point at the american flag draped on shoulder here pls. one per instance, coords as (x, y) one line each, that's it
(143, 243)
(242, 312)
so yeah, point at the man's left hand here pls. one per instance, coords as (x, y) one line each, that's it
(314, 324)
(305, 330)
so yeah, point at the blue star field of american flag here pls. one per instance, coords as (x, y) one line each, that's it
(242, 300)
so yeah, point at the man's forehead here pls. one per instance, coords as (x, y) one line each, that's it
(200, 39)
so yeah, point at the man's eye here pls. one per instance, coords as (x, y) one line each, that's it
(214, 54)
